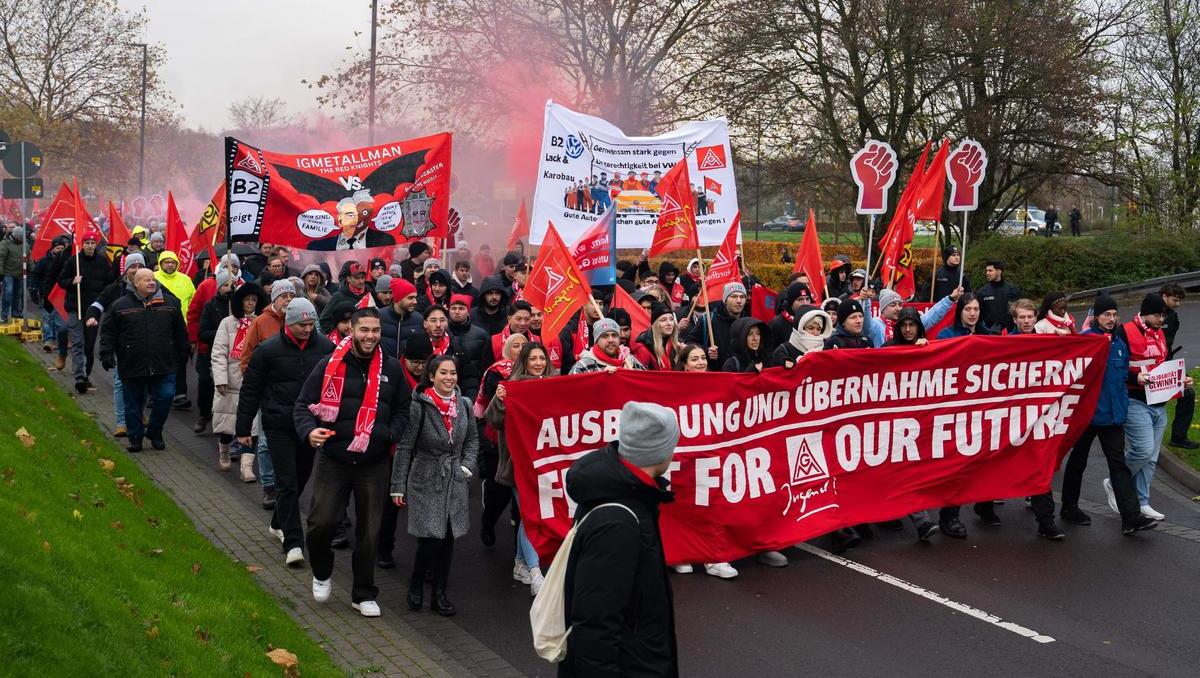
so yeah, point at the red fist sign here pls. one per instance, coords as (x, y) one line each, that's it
(965, 167)
(874, 170)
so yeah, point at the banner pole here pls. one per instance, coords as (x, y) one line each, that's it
(869, 243)
(962, 262)
(704, 289)
(937, 240)
(24, 250)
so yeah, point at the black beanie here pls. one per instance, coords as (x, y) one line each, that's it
(1153, 303)
(848, 308)
(417, 248)
(1103, 304)
(418, 347)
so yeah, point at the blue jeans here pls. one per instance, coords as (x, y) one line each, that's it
(54, 329)
(118, 398)
(266, 470)
(13, 305)
(160, 389)
(525, 550)
(1144, 429)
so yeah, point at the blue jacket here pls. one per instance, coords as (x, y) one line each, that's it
(1113, 404)
(877, 332)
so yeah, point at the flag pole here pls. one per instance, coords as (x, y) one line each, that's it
(963, 259)
(76, 243)
(704, 288)
(869, 243)
(937, 241)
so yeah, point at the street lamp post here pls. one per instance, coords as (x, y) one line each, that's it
(371, 95)
(142, 132)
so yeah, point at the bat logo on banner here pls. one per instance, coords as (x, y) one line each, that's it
(873, 168)
(966, 167)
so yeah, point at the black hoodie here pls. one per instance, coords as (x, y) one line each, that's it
(742, 359)
(492, 323)
(907, 313)
(617, 597)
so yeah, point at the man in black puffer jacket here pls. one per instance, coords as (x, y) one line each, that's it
(616, 595)
(272, 383)
(353, 407)
(143, 334)
(84, 277)
(732, 307)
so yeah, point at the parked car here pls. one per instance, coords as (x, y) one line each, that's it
(1027, 220)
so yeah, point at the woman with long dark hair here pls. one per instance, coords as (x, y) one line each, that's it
(532, 363)
(433, 463)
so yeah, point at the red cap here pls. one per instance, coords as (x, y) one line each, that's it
(355, 268)
(836, 264)
(92, 233)
(464, 299)
(402, 288)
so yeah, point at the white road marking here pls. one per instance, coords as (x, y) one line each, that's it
(927, 594)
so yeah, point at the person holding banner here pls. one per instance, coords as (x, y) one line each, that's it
(967, 319)
(797, 295)
(750, 346)
(1145, 424)
(882, 329)
(435, 458)
(1108, 425)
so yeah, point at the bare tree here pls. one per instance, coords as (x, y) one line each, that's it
(259, 113)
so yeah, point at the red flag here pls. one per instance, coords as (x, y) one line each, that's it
(914, 183)
(118, 232)
(762, 303)
(520, 228)
(711, 184)
(555, 285)
(808, 259)
(178, 239)
(211, 228)
(639, 318)
(676, 229)
(59, 219)
(929, 196)
(724, 267)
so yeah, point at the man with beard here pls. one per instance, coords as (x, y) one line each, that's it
(731, 307)
(277, 371)
(353, 279)
(353, 407)
(83, 278)
(400, 321)
(143, 336)
(491, 313)
(473, 338)
(607, 355)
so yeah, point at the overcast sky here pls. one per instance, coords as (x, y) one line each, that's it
(221, 51)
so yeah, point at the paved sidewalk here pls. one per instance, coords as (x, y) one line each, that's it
(228, 513)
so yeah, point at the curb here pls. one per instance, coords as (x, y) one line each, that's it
(1179, 470)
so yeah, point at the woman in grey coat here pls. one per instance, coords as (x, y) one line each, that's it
(434, 460)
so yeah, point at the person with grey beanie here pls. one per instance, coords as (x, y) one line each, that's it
(272, 383)
(719, 343)
(383, 291)
(617, 598)
(607, 354)
(880, 329)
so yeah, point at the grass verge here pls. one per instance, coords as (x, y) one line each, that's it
(103, 574)
(1190, 457)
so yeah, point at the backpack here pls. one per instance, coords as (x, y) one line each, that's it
(548, 616)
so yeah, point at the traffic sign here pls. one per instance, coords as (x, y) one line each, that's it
(11, 188)
(23, 159)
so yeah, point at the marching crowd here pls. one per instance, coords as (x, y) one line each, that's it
(388, 383)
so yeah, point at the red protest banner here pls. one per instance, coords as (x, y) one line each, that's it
(179, 240)
(341, 200)
(724, 266)
(676, 228)
(520, 229)
(555, 285)
(766, 461)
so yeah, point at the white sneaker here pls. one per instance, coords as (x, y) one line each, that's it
(367, 608)
(1149, 512)
(722, 570)
(294, 556)
(684, 569)
(535, 581)
(521, 573)
(322, 589)
(1112, 497)
(278, 534)
(773, 559)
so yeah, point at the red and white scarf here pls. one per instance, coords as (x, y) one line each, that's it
(1156, 341)
(1066, 324)
(408, 377)
(331, 395)
(447, 407)
(441, 346)
(239, 337)
(502, 367)
(620, 361)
